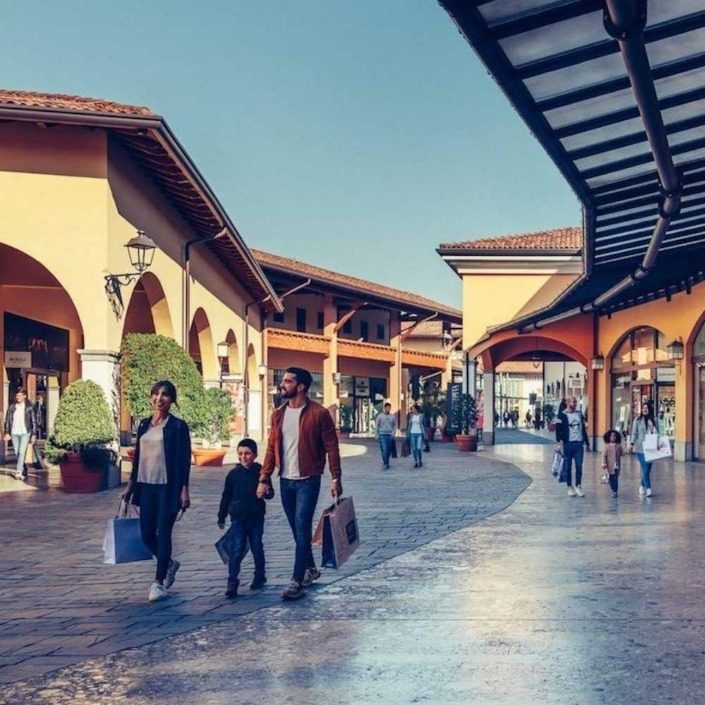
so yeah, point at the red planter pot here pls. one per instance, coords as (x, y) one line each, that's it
(466, 443)
(77, 478)
(208, 457)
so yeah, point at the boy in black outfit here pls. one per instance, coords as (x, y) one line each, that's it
(246, 515)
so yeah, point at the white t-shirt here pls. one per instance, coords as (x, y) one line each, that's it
(19, 427)
(290, 443)
(415, 426)
(152, 469)
(575, 426)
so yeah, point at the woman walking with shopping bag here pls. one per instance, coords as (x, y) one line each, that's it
(644, 431)
(159, 482)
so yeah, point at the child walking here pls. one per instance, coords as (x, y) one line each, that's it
(239, 499)
(612, 458)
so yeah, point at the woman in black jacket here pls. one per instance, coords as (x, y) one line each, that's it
(159, 482)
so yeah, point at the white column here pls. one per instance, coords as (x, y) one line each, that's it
(469, 384)
(103, 368)
(488, 408)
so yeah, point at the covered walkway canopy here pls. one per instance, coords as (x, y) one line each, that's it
(614, 90)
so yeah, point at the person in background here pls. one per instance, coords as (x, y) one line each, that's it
(415, 433)
(612, 458)
(20, 428)
(572, 439)
(159, 482)
(643, 424)
(385, 430)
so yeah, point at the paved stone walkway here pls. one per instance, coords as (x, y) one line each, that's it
(518, 436)
(554, 601)
(61, 605)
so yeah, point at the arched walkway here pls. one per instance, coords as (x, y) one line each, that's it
(201, 346)
(148, 310)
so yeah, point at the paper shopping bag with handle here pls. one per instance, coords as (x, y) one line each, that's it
(337, 533)
(123, 540)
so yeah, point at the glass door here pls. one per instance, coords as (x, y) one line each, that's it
(701, 413)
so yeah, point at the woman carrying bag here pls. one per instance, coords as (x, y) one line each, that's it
(643, 425)
(159, 482)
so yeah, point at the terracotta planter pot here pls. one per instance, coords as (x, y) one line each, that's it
(78, 478)
(551, 427)
(208, 457)
(130, 454)
(466, 443)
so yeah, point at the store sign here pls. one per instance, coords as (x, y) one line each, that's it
(21, 359)
(362, 386)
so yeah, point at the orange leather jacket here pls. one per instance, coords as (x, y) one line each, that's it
(317, 438)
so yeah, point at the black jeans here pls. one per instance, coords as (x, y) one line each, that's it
(614, 481)
(242, 530)
(156, 524)
(299, 499)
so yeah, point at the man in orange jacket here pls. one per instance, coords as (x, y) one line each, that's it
(302, 435)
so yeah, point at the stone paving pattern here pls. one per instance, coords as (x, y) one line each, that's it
(554, 601)
(62, 606)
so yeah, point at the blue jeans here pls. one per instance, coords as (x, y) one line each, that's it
(416, 443)
(573, 450)
(156, 524)
(385, 446)
(645, 471)
(19, 443)
(299, 499)
(241, 531)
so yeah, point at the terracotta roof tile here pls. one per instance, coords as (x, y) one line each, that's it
(359, 286)
(568, 239)
(55, 101)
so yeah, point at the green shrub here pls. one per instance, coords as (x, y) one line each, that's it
(217, 412)
(83, 424)
(468, 407)
(147, 358)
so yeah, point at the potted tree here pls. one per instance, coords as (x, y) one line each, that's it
(466, 440)
(83, 435)
(346, 421)
(213, 427)
(549, 415)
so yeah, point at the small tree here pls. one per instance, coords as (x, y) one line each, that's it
(468, 407)
(217, 412)
(147, 358)
(83, 424)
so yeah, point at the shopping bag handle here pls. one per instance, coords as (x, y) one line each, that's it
(124, 509)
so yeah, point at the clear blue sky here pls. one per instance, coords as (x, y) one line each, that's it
(353, 135)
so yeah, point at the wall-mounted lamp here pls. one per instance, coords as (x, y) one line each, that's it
(337, 378)
(262, 370)
(675, 350)
(598, 362)
(140, 250)
(222, 349)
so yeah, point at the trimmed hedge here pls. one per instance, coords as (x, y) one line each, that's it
(83, 422)
(147, 358)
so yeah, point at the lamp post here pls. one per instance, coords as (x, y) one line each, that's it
(140, 250)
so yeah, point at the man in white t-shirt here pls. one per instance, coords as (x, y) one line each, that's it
(20, 428)
(301, 437)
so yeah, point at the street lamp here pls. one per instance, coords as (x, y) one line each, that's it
(598, 362)
(140, 250)
(675, 350)
(222, 349)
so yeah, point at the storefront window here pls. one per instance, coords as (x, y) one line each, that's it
(643, 373)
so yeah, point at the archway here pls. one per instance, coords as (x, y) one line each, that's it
(254, 393)
(525, 379)
(201, 346)
(148, 309)
(641, 371)
(42, 333)
(231, 365)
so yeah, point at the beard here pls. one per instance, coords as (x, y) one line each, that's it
(287, 395)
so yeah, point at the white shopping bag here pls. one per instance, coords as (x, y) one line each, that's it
(123, 540)
(650, 442)
(661, 451)
(557, 463)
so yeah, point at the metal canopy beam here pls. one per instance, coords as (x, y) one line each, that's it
(527, 21)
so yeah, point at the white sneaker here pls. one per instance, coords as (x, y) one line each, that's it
(174, 565)
(642, 491)
(571, 491)
(648, 492)
(157, 592)
(579, 491)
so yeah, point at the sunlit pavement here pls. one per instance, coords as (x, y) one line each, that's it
(61, 606)
(553, 600)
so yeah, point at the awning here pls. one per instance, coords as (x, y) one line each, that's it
(614, 90)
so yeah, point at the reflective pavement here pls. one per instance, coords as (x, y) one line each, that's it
(553, 600)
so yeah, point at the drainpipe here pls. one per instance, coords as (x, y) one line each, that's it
(186, 284)
(625, 20)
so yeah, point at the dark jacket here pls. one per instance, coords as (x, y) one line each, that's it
(30, 420)
(562, 430)
(239, 498)
(317, 438)
(177, 454)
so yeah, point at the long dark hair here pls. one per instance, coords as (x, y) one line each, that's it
(650, 415)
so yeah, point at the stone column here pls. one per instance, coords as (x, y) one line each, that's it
(330, 361)
(103, 368)
(469, 383)
(685, 381)
(395, 375)
(488, 407)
